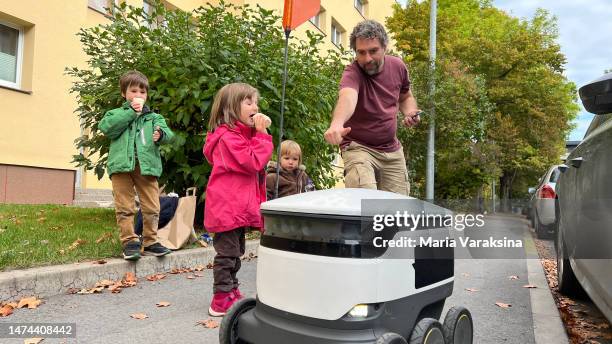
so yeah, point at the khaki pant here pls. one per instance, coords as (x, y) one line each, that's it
(125, 208)
(368, 168)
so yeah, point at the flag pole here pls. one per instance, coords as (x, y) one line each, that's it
(282, 113)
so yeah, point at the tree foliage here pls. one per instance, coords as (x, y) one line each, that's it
(503, 106)
(187, 58)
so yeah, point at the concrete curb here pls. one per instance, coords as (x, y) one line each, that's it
(54, 280)
(547, 324)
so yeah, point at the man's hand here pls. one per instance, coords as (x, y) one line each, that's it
(412, 118)
(335, 133)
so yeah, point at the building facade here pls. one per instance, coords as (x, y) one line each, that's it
(38, 41)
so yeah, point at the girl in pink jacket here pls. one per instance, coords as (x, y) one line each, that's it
(238, 147)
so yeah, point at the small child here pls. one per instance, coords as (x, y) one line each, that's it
(293, 178)
(134, 161)
(238, 147)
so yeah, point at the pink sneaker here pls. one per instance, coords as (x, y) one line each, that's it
(237, 294)
(220, 303)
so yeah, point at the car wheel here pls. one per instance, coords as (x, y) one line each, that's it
(566, 280)
(228, 331)
(458, 327)
(391, 338)
(427, 331)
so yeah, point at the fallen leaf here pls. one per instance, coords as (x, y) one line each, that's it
(30, 302)
(115, 288)
(105, 283)
(175, 271)
(199, 267)
(513, 277)
(197, 274)
(209, 266)
(90, 290)
(100, 261)
(503, 305)
(191, 277)
(129, 280)
(472, 290)
(6, 310)
(209, 323)
(163, 304)
(72, 291)
(76, 243)
(155, 277)
(41, 219)
(529, 286)
(33, 340)
(465, 274)
(62, 252)
(103, 237)
(139, 316)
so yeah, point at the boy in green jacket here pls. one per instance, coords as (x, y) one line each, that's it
(134, 161)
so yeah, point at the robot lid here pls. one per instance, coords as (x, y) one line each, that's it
(343, 202)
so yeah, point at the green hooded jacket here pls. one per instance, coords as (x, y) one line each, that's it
(127, 131)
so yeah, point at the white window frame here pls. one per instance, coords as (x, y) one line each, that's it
(316, 20)
(336, 35)
(109, 3)
(18, 69)
(359, 5)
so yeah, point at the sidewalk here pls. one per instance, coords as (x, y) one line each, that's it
(54, 280)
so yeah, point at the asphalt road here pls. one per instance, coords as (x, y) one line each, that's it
(105, 318)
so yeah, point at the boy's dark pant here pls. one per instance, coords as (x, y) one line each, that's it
(229, 247)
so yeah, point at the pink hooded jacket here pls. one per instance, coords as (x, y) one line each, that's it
(237, 184)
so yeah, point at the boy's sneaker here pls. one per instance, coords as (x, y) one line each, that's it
(156, 250)
(131, 250)
(220, 303)
(237, 294)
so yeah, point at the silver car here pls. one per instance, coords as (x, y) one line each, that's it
(543, 204)
(584, 236)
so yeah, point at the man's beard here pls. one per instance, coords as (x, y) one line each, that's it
(374, 67)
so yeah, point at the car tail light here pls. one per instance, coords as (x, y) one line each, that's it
(547, 192)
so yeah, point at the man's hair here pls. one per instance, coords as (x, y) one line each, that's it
(289, 147)
(133, 78)
(226, 106)
(369, 29)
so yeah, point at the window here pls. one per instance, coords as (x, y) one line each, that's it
(102, 6)
(336, 35)
(316, 20)
(11, 53)
(359, 6)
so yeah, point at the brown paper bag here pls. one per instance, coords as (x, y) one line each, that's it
(179, 231)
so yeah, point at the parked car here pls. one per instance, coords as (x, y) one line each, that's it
(584, 191)
(542, 204)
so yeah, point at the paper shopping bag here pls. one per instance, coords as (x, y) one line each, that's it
(179, 231)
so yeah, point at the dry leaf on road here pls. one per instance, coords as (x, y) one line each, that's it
(33, 340)
(465, 274)
(139, 316)
(30, 302)
(129, 280)
(529, 286)
(163, 304)
(197, 274)
(472, 290)
(155, 277)
(199, 267)
(191, 277)
(503, 305)
(100, 261)
(6, 310)
(105, 283)
(209, 323)
(513, 277)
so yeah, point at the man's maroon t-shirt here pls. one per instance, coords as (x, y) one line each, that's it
(374, 122)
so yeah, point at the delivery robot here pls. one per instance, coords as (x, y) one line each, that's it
(325, 277)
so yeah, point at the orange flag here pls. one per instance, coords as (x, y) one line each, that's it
(297, 12)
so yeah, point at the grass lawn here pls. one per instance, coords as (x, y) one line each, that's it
(34, 235)
(37, 235)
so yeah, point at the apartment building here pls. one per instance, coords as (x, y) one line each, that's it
(38, 124)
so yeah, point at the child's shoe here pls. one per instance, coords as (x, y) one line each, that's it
(220, 303)
(237, 294)
(131, 251)
(156, 249)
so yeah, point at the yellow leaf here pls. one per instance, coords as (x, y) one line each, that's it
(30, 302)
(208, 323)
